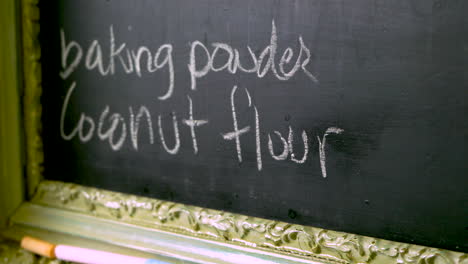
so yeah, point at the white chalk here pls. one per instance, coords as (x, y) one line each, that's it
(81, 255)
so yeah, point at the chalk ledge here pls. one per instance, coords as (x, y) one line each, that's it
(205, 235)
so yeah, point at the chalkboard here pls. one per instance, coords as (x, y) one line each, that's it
(345, 115)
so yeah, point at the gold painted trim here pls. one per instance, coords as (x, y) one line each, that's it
(32, 79)
(278, 237)
(179, 248)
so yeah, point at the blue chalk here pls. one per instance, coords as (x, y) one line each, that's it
(153, 261)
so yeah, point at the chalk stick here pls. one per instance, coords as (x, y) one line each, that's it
(91, 256)
(81, 255)
(37, 246)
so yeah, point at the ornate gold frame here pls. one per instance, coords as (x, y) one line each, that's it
(32, 93)
(278, 241)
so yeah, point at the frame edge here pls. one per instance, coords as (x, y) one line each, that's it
(11, 171)
(277, 237)
(32, 93)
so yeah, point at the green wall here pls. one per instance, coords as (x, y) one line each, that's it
(11, 176)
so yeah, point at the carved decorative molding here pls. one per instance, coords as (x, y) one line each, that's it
(32, 79)
(279, 237)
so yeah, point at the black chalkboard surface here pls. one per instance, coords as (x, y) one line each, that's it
(346, 115)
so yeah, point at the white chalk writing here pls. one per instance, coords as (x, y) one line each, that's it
(130, 63)
(330, 130)
(110, 57)
(232, 64)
